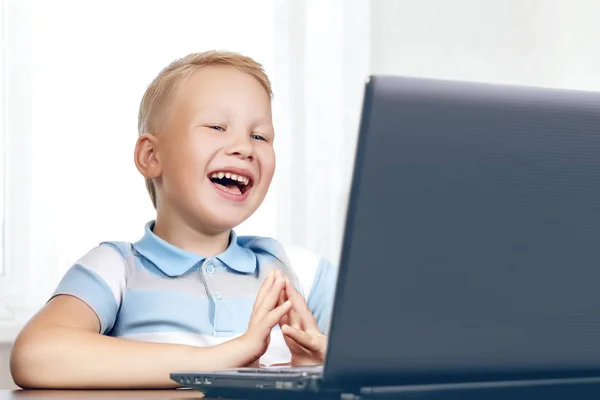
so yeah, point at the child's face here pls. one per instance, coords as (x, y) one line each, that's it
(219, 122)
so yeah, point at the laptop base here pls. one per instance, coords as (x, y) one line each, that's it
(250, 382)
(580, 388)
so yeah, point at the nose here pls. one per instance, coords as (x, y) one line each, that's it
(240, 146)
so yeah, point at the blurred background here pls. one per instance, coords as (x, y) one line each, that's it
(72, 74)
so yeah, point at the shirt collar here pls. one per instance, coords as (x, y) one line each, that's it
(174, 261)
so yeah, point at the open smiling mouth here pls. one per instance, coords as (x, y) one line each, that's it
(231, 183)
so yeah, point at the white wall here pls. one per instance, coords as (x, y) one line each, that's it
(532, 42)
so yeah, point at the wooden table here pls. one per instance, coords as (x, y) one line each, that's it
(183, 394)
(569, 391)
(99, 394)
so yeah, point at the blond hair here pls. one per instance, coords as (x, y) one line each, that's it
(158, 93)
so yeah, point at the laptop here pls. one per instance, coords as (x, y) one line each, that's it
(471, 251)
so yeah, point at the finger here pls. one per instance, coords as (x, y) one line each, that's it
(295, 319)
(307, 340)
(306, 318)
(282, 299)
(276, 314)
(285, 320)
(270, 297)
(297, 299)
(266, 285)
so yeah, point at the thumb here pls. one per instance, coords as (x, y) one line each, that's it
(278, 313)
(309, 341)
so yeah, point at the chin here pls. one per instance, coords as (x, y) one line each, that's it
(225, 223)
(222, 214)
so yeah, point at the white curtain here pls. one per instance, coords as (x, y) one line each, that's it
(77, 71)
(322, 63)
(74, 73)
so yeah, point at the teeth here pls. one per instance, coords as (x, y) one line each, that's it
(229, 175)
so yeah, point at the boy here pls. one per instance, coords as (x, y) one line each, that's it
(189, 295)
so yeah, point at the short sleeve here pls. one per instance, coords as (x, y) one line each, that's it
(317, 278)
(97, 279)
(322, 293)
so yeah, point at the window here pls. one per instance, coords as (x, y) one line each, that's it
(69, 117)
(19, 280)
(3, 116)
(69, 120)
(3, 79)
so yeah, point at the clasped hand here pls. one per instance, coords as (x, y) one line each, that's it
(279, 303)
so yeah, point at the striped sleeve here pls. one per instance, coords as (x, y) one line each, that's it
(97, 279)
(317, 278)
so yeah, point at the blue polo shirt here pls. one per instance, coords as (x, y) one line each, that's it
(153, 291)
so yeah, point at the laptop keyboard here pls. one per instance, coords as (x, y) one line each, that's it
(281, 370)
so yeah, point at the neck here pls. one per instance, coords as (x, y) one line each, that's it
(177, 232)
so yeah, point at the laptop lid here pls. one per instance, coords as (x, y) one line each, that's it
(472, 240)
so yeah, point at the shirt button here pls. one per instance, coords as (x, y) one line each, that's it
(218, 296)
(210, 269)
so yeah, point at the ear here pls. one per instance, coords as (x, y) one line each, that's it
(146, 156)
